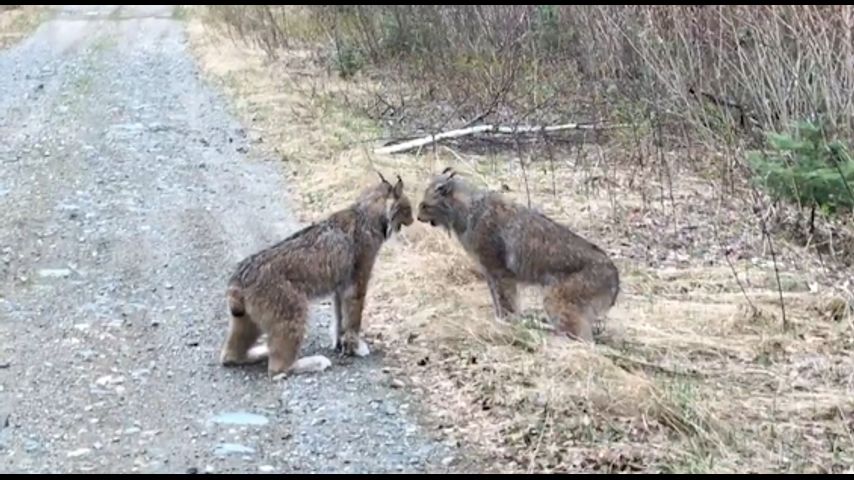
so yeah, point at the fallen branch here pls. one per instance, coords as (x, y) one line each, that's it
(429, 139)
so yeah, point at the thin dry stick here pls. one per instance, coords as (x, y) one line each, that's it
(536, 451)
(551, 156)
(753, 308)
(767, 235)
(524, 171)
(618, 359)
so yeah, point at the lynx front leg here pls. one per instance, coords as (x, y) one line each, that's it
(504, 296)
(354, 303)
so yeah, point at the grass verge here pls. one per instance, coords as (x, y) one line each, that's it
(18, 21)
(696, 373)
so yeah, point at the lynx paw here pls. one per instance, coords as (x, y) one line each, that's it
(258, 353)
(355, 346)
(312, 364)
(362, 349)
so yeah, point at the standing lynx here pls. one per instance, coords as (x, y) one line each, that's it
(271, 290)
(514, 244)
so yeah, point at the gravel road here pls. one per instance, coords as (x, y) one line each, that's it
(128, 193)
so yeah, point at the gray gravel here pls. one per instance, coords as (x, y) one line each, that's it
(128, 193)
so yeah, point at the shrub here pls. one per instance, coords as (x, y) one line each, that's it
(805, 167)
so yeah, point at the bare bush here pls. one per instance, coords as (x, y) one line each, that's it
(724, 70)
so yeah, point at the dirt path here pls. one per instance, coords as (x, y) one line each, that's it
(127, 195)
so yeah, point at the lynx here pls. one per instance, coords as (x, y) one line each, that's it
(514, 245)
(271, 290)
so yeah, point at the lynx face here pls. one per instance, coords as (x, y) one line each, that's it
(436, 206)
(399, 209)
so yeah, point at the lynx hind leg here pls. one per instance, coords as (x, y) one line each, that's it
(242, 334)
(285, 316)
(283, 356)
(242, 330)
(565, 304)
(597, 312)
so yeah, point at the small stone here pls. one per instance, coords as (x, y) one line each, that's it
(447, 461)
(397, 383)
(266, 469)
(240, 418)
(78, 453)
(109, 380)
(232, 448)
(54, 273)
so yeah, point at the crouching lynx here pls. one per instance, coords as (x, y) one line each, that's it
(271, 290)
(514, 244)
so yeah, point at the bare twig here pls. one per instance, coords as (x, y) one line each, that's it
(536, 451)
(753, 308)
(767, 236)
(777, 276)
(524, 171)
(622, 359)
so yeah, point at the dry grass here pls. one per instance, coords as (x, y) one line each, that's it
(691, 376)
(17, 21)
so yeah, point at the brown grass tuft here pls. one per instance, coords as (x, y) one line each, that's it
(17, 21)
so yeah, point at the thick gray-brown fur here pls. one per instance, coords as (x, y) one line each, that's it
(271, 290)
(514, 245)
